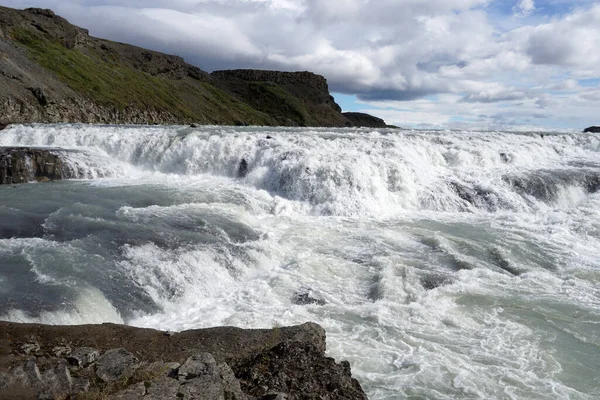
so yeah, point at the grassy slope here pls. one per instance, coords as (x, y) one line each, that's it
(108, 83)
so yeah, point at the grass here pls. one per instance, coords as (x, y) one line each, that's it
(112, 84)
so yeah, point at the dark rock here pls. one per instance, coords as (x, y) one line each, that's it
(269, 137)
(21, 165)
(432, 281)
(193, 126)
(273, 396)
(3, 126)
(115, 364)
(362, 120)
(83, 356)
(242, 168)
(39, 95)
(592, 129)
(505, 157)
(286, 360)
(306, 296)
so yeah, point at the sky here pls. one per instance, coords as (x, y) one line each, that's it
(449, 64)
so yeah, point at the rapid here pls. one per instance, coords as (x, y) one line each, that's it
(442, 264)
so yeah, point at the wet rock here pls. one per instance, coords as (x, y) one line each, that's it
(505, 157)
(21, 165)
(269, 137)
(193, 125)
(115, 364)
(243, 168)
(231, 386)
(306, 296)
(432, 281)
(3, 126)
(592, 129)
(83, 356)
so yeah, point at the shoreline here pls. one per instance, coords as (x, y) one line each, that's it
(119, 361)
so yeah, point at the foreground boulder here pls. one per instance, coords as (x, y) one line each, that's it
(119, 362)
(21, 165)
(592, 129)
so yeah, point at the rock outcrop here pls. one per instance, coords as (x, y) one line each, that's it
(21, 165)
(363, 120)
(120, 362)
(53, 71)
(592, 129)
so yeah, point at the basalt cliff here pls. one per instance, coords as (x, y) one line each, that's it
(53, 71)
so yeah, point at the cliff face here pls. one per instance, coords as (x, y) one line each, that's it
(52, 71)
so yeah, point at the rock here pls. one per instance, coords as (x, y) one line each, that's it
(39, 95)
(200, 378)
(196, 366)
(592, 129)
(166, 388)
(245, 364)
(231, 386)
(133, 392)
(273, 396)
(28, 348)
(60, 351)
(83, 356)
(362, 120)
(432, 281)
(243, 168)
(115, 364)
(3, 126)
(269, 137)
(58, 383)
(193, 126)
(505, 157)
(306, 296)
(22, 164)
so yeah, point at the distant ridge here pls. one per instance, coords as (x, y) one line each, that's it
(53, 71)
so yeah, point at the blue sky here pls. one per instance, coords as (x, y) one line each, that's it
(459, 64)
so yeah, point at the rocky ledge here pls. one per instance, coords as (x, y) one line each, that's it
(23, 164)
(592, 129)
(119, 362)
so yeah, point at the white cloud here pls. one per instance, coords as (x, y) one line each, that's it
(398, 51)
(524, 8)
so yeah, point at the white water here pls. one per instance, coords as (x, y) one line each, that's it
(452, 264)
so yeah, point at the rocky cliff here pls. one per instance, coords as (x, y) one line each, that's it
(52, 71)
(119, 362)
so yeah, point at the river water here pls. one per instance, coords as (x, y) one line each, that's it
(442, 265)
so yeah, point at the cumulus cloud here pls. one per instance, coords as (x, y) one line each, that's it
(524, 8)
(467, 52)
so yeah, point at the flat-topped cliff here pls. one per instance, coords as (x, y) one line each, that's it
(53, 71)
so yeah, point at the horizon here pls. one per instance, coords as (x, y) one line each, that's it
(433, 64)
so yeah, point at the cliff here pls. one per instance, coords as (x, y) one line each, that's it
(120, 362)
(52, 71)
